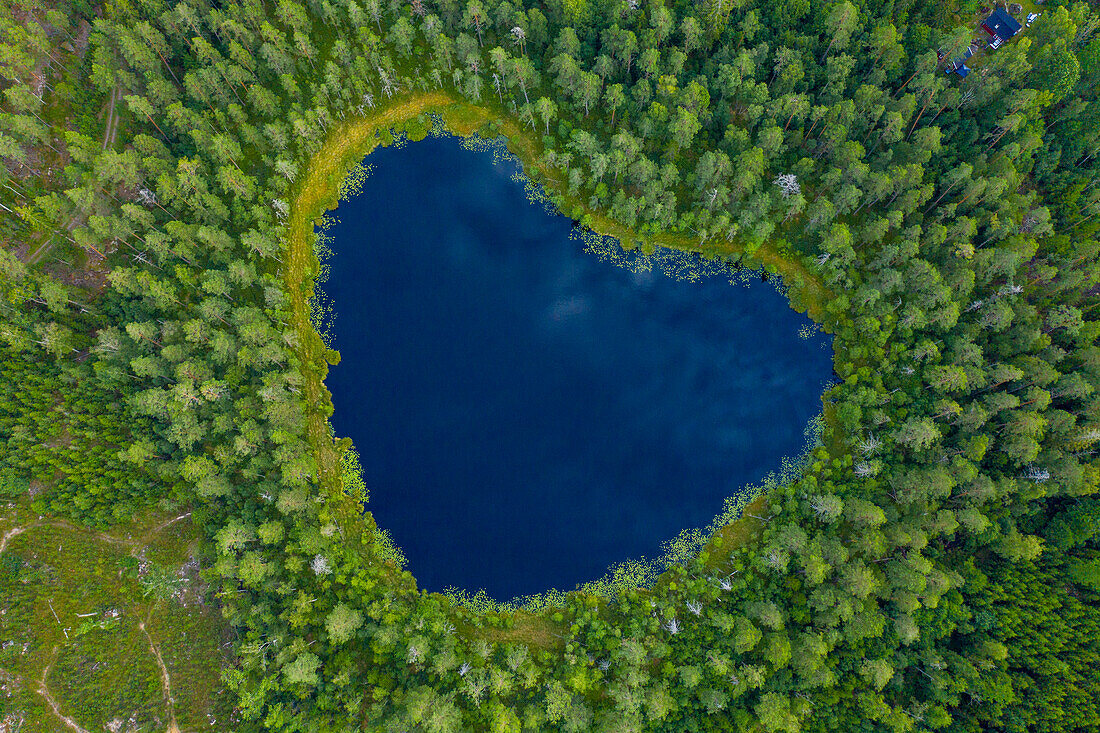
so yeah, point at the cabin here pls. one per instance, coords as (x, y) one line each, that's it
(958, 64)
(1000, 26)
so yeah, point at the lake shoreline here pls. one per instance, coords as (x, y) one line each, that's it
(321, 189)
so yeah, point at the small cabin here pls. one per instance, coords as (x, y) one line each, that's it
(1000, 26)
(958, 64)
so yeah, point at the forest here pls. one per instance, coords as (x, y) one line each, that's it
(935, 566)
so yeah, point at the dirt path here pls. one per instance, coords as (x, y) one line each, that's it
(48, 242)
(110, 135)
(44, 691)
(111, 132)
(154, 649)
(12, 534)
(170, 522)
(43, 250)
(130, 539)
(114, 130)
(165, 681)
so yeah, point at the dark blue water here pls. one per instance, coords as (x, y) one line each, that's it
(526, 414)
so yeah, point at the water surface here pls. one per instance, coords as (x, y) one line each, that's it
(527, 414)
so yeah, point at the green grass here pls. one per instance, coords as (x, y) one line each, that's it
(83, 617)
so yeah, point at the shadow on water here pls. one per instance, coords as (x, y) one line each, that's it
(526, 412)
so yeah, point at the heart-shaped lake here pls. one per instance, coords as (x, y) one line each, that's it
(527, 413)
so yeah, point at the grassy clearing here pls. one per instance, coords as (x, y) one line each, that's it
(534, 630)
(107, 631)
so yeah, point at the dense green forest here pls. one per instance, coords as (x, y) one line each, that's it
(935, 567)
